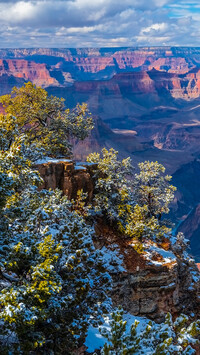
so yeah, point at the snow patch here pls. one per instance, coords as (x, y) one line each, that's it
(46, 160)
(152, 250)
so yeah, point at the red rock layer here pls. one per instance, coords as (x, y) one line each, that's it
(27, 70)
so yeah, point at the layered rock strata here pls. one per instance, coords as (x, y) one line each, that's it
(152, 287)
(66, 176)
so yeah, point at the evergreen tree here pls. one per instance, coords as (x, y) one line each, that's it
(53, 281)
(166, 338)
(135, 202)
(113, 195)
(45, 119)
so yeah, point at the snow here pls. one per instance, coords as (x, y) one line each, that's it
(113, 260)
(85, 163)
(195, 276)
(167, 255)
(46, 160)
(79, 167)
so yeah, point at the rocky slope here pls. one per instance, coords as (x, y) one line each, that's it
(153, 282)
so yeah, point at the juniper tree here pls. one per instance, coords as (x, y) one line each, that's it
(113, 195)
(135, 202)
(63, 281)
(45, 119)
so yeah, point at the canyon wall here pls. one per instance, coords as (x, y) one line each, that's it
(62, 67)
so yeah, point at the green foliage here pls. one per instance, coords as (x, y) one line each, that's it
(141, 226)
(168, 337)
(135, 202)
(15, 164)
(113, 189)
(62, 278)
(54, 281)
(45, 119)
(119, 342)
(152, 189)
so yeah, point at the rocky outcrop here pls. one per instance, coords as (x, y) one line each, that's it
(152, 287)
(66, 176)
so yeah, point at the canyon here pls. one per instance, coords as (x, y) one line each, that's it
(145, 103)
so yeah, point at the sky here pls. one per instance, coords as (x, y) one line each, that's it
(99, 23)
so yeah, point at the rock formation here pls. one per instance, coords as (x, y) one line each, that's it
(27, 71)
(66, 176)
(153, 282)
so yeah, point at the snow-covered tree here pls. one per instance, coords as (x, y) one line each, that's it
(152, 188)
(136, 202)
(119, 341)
(52, 279)
(113, 197)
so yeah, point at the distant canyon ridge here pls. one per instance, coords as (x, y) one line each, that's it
(145, 102)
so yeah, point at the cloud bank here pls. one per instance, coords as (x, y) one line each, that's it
(99, 23)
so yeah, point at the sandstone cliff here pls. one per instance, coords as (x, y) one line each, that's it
(66, 176)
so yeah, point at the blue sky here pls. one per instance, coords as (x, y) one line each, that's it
(99, 23)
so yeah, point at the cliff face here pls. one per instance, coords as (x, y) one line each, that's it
(153, 282)
(93, 60)
(66, 176)
(26, 71)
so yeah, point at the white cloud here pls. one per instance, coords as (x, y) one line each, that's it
(75, 23)
(155, 27)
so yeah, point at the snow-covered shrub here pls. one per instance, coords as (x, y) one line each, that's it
(53, 282)
(136, 202)
(167, 338)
